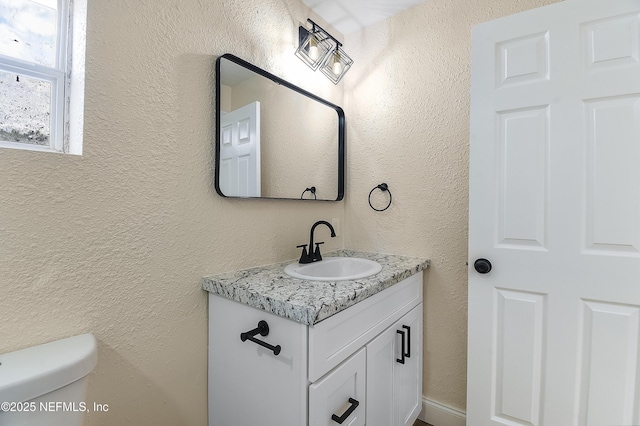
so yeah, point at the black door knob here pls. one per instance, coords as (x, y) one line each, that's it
(483, 266)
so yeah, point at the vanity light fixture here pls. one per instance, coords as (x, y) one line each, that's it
(319, 49)
(336, 65)
(315, 45)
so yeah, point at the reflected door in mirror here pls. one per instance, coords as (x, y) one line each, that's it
(240, 151)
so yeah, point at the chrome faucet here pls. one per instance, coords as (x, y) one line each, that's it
(314, 255)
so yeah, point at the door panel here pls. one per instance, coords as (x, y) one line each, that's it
(523, 59)
(523, 148)
(608, 363)
(612, 42)
(613, 156)
(518, 352)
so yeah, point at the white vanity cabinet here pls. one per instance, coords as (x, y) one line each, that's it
(361, 366)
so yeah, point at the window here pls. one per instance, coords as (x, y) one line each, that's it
(40, 86)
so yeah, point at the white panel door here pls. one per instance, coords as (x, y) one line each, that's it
(240, 152)
(554, 326)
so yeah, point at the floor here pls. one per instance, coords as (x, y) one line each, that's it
(421, 423)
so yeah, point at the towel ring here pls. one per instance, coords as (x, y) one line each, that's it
(384, 188)
(311, 190)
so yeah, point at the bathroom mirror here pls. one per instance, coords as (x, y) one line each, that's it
(274, 139)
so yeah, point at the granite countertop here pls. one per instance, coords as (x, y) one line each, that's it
(309, 302)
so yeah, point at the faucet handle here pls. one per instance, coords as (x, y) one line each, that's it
(304, 257)
(316, 255)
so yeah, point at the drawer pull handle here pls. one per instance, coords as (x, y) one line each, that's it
(402, 354)
(354, 404)
(263, 330)
(408, 353)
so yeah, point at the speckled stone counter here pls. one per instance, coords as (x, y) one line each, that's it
(309, 302)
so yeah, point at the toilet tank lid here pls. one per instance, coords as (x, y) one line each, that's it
(29, 373)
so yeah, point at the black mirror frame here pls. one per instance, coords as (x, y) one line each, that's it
(278, 80)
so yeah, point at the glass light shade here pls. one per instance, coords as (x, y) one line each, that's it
(336, 65)
(313, 48)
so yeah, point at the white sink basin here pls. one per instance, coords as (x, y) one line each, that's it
(334, 269)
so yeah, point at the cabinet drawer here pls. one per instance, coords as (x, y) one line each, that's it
(339, 398)
(333, 340)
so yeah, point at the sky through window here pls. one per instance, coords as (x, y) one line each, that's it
(28, 30)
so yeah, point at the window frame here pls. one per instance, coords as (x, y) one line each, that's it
(59, 76)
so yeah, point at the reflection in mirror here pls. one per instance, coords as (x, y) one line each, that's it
(274, 139)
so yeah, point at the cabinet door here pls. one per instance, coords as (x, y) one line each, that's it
(381, 353)
(407, 385)
(339, 397)
(394, 373)
(249, 384)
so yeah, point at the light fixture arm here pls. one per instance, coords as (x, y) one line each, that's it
(313, 28)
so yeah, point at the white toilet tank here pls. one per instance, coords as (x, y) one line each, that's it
(47, 384)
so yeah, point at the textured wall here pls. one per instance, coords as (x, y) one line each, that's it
(407, 99)
(115, 241)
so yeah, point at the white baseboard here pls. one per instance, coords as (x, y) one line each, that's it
(437, 414)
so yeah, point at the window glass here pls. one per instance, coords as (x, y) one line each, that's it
(39, 85)
(25, 109)
(28, 30)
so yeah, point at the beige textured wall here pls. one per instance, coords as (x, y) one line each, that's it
(407, 100)
(115, 242)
